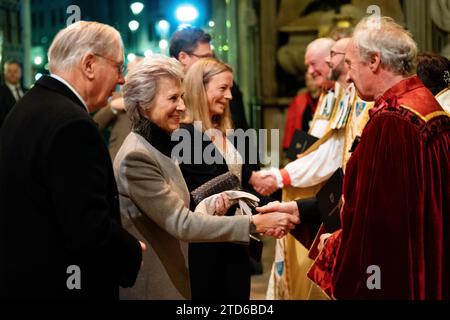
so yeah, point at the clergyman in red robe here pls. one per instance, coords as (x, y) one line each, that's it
(301, 111)
(394, 242)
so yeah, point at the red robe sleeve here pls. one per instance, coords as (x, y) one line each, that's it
(294, 116)
(396, 215)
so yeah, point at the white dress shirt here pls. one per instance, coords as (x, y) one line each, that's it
(16, 90)
(71, 88)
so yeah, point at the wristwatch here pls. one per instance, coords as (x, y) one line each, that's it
(114, 111)
(252, 225)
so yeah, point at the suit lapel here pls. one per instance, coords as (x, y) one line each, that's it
(9, 97)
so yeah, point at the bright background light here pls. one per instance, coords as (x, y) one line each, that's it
(38, 60)
(133, 25)
(163, 44)
(186, 13)
(137, 7)
(148, 53)
(37, 76)
(163, 27)
(211, 24)
(131, 57)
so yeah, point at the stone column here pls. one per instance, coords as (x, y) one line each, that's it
(248, 61)
(440, 14)
(272, 114)
(268, 35)
(418, 21)
(26, 39)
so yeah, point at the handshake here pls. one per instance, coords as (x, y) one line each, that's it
(274, 219)
(265, 181)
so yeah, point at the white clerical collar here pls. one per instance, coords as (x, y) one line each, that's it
(71, 88)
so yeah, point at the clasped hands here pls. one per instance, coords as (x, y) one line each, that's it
(275, 219)
(290, 209)
(264, 182)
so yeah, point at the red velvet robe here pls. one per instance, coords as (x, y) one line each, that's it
(295, 113)
(396, 213)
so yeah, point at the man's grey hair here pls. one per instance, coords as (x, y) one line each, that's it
(395, 45)
(322, 45)
(141, 85)
(72, 43)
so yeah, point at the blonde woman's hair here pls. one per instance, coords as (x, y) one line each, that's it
(72, 43)
(195, 98)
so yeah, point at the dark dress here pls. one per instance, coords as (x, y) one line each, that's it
(218, 271)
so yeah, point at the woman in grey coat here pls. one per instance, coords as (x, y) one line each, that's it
(154, 199)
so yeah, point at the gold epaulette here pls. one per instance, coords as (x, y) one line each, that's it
(427, 117)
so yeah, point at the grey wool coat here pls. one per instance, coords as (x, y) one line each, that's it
(154, 204)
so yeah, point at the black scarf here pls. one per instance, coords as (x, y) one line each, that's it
(156, 136)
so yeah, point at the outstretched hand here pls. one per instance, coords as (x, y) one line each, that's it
(276, 206)
(264, 182)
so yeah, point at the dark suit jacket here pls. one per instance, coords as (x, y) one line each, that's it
(7, 101)
(59, 203)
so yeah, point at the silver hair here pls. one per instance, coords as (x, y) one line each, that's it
(395, 45)
(72, 43)
(141, 84)
(322, 45)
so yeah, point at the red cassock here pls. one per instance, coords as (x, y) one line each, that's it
(396, 215)
(295, 115)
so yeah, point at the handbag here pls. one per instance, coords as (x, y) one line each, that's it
(224, 182)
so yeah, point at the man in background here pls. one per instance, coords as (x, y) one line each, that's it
(189, 44)
(12, 90)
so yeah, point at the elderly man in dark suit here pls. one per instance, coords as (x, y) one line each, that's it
(61, 236)
(12, 90)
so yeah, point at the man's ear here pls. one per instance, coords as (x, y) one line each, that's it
(375, 61)
(183, 57)
(88, 65)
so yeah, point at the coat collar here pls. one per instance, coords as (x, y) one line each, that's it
(407, 84)
(389, 98)
(57, 86)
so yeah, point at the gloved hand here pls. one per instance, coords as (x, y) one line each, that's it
(218, 204)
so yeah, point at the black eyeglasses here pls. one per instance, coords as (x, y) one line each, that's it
(335, 53)
(201, 56)
(119, 66)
